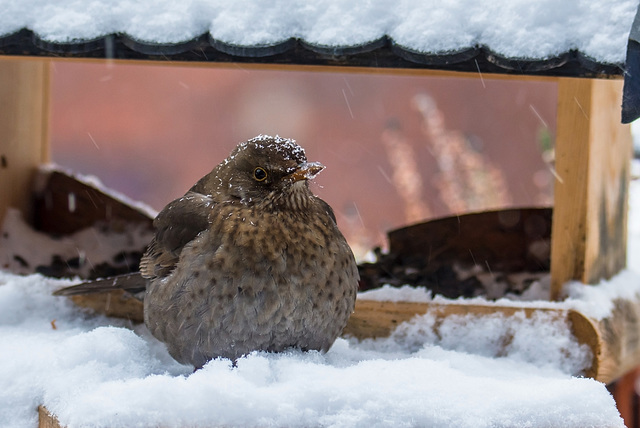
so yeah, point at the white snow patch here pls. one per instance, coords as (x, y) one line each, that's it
(513, 28)
(22, 249)
(596, 302)
(92, 374)
(92, 371)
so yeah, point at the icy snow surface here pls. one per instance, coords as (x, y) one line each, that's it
(22, 248)
(538, 29)
(93, 371)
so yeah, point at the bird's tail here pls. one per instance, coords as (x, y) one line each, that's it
(131, 282)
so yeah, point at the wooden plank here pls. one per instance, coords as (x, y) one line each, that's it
(46, 419)
(614, 341)
(593, 152)
(245, 66)
(510, 240)
(64, 205)
(624, 392)
(24, 140)
(619, 336)
(374, 319)
(117, 303)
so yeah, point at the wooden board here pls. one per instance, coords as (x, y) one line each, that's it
(593, 152)
(614, 341)
(374, 319)
(117, 303)
(511, 240)
(56, 214)
(247, 66)
(24, 140)
(46, 419)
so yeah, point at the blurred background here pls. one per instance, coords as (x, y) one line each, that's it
(398, 149)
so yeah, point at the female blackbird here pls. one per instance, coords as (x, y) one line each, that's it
(249, 259)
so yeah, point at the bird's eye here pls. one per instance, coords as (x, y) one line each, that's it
(259, 174)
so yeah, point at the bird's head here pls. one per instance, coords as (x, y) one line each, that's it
(266, 167)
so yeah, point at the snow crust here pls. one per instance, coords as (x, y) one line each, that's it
(22, 249)
(92, 371)
(95, 372)
(512, 28)
(594, 302)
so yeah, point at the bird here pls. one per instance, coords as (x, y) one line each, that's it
(249, 259)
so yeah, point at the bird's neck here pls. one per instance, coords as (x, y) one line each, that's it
(296, 198)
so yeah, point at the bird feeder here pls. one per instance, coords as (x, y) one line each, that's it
(593, 152)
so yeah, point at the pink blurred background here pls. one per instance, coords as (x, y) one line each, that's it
(398, 149)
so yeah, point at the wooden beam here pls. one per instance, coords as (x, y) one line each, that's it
(593, 152)
(46, 419)
(624, 392)
(614, 341)
(247, 66)
(24, 139)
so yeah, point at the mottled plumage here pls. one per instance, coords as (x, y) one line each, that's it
(249, 259)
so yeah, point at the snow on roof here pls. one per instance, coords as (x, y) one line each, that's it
(416, 30)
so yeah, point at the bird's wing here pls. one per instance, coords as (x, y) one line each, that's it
(176, 225)
(327, 209)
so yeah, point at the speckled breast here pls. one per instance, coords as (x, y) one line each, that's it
(255, 281)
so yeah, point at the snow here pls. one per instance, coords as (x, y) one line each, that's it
(22, 249)
(594, 302)
(511, 28)
(92, 371)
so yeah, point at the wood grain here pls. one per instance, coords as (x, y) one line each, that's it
(54, 215)
(117, 303)
(593, 152)
(46, 419)
(24, 139)
(614, 340)
(247, 66)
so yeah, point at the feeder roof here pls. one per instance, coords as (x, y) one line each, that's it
(579, 38)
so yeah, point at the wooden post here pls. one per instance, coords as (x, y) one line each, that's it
(624, 392)
(593, 152)
(46, 419)
(24, 139)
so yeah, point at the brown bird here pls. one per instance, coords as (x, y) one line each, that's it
(248, 259)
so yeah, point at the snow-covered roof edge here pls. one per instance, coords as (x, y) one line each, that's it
(578, 38)
(383, 52)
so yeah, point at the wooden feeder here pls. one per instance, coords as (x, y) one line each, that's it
(593, 152)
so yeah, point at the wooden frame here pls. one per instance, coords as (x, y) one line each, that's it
(593, 152)
(24, 129)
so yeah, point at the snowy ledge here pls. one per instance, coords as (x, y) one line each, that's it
(604, 318)
(432, 362)
(104, 372)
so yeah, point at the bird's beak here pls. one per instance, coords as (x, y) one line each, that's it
(306, 171)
